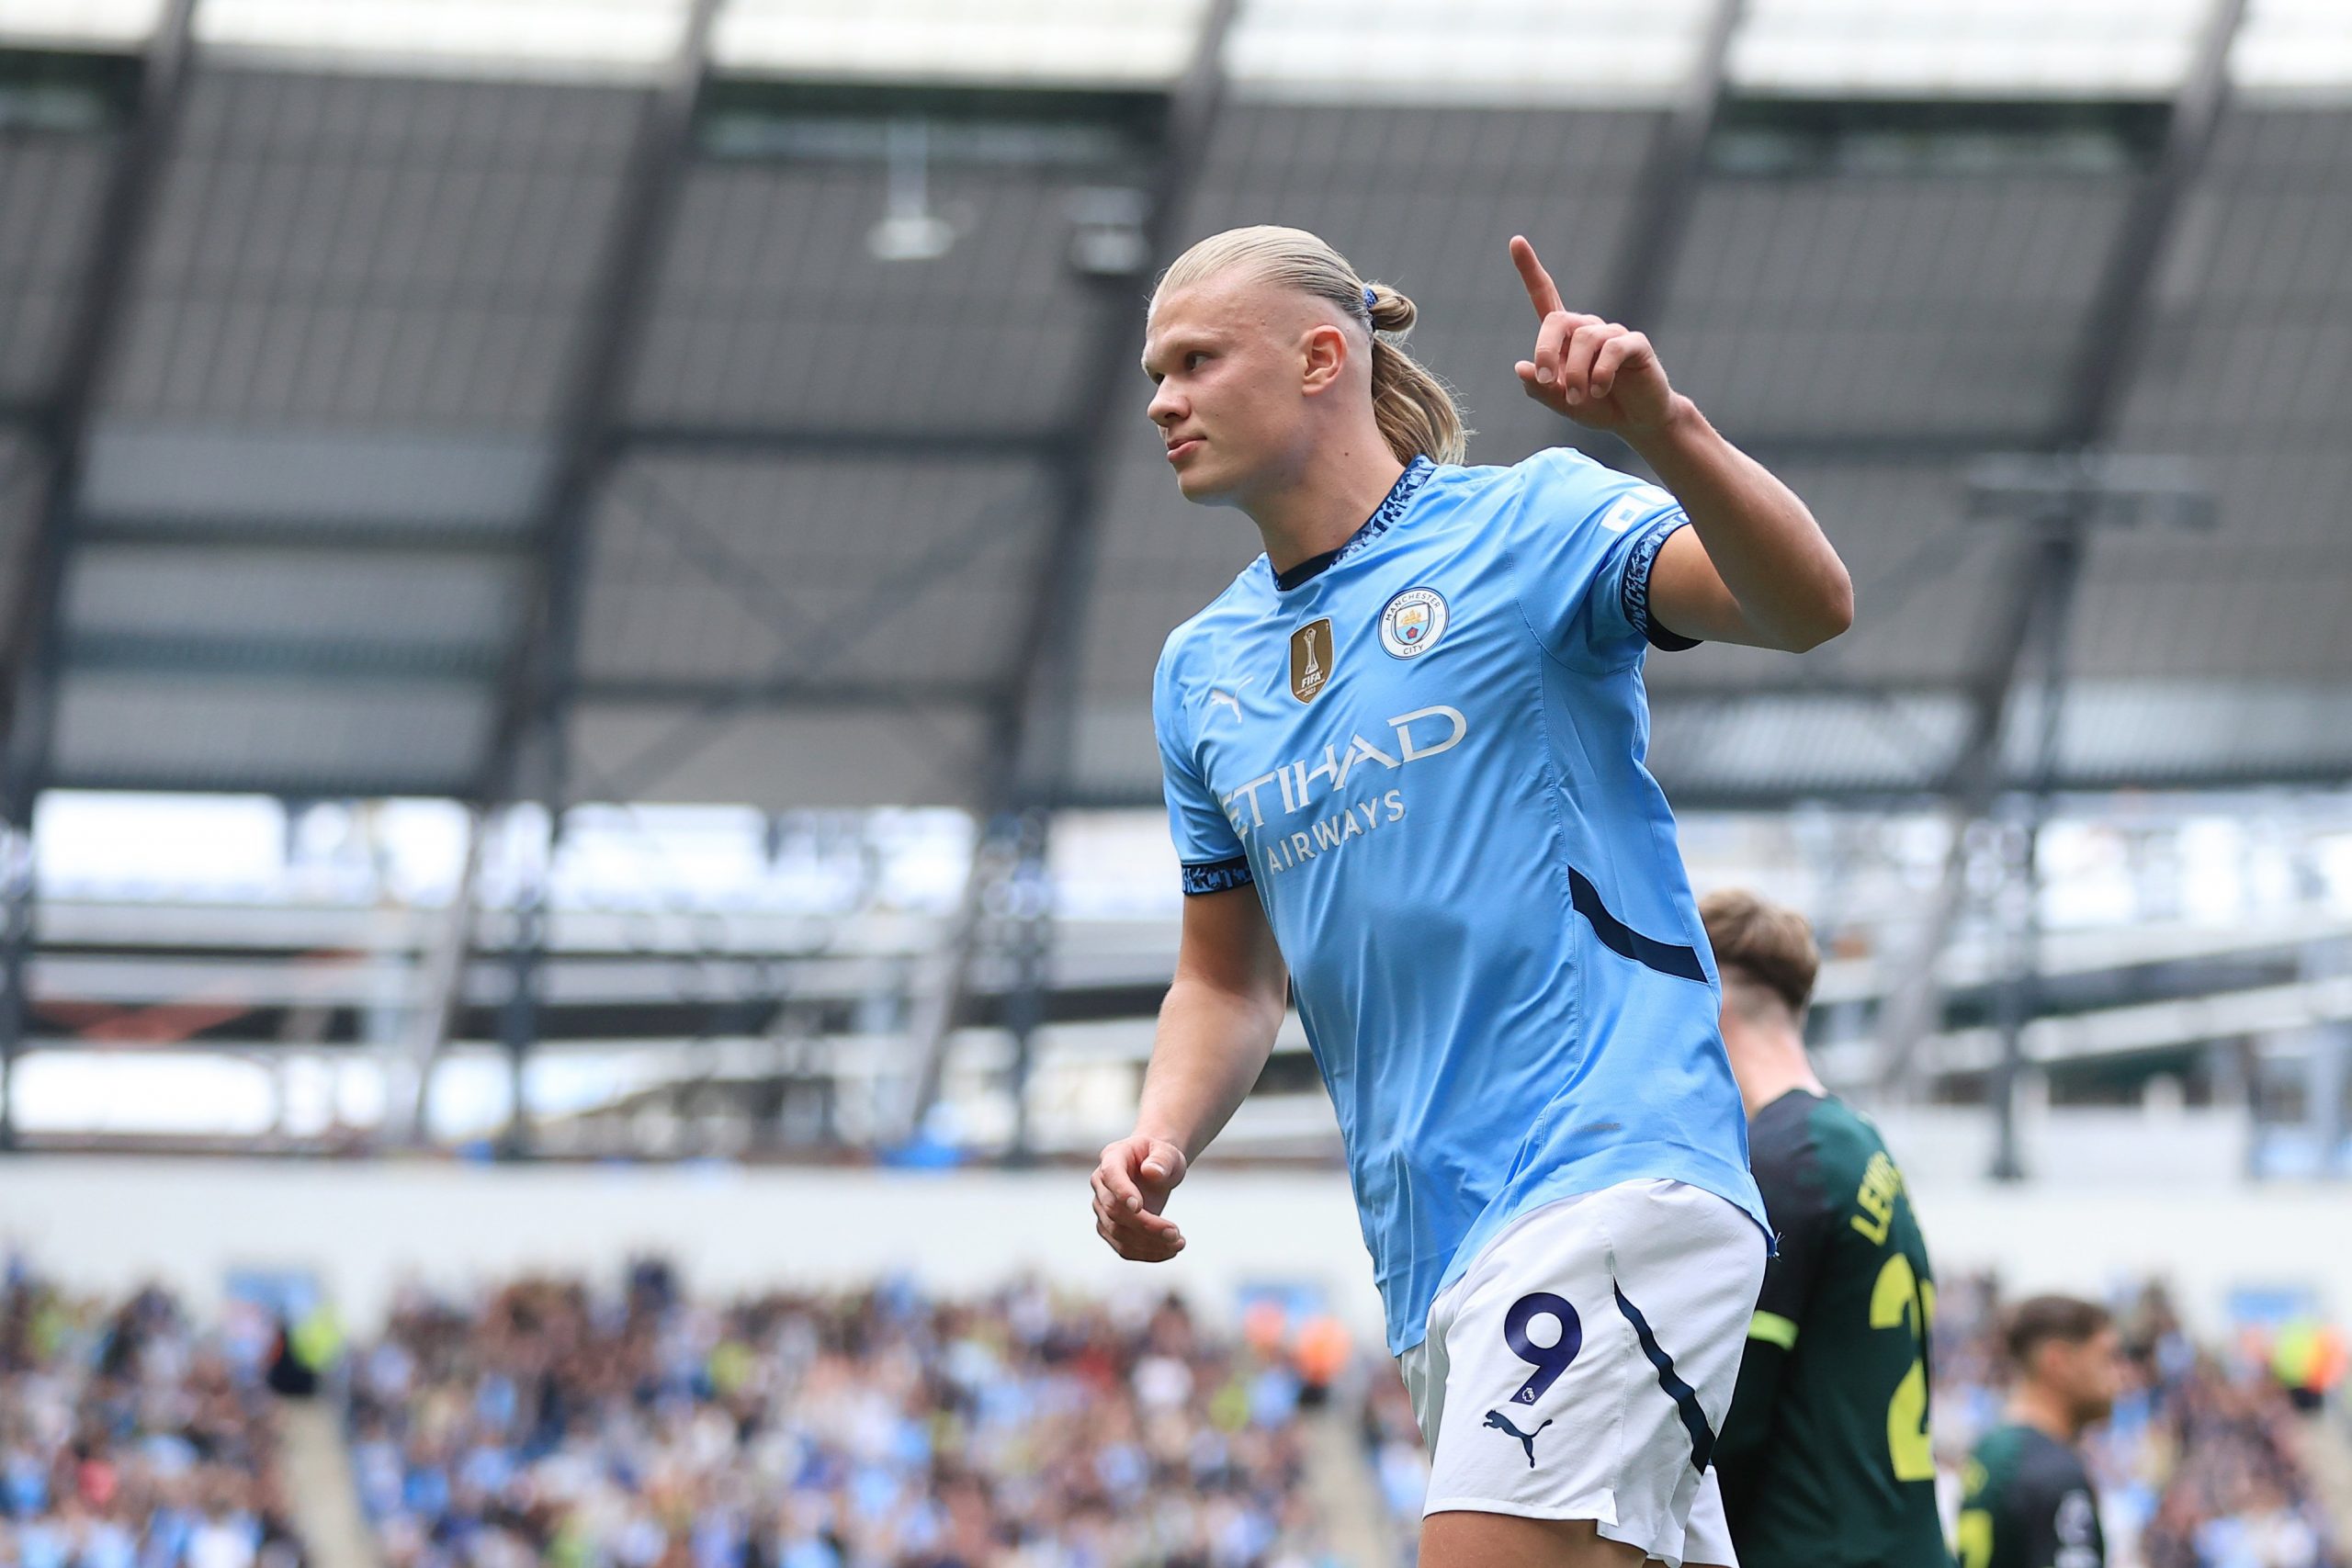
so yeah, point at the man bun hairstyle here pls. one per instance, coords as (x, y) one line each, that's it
(1762, 943)
(2033, 1323)
(1417, 412)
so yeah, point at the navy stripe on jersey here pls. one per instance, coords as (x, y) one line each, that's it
(1219, 876)
(1625, 941)
(1686, 1399)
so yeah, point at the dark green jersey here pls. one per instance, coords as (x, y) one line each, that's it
(2026, 1502)
(1824, 1458)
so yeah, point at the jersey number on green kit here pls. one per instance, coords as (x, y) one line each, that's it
(1902, 1299)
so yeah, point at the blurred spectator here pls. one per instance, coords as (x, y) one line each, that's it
(550, 1424)
(1401, 1467)
(128, 1442)
(2309, 1359)
(2198, 1466)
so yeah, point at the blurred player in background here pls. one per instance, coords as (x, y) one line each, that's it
(2025, 1500)
(1824, 1457)
(1403, 762)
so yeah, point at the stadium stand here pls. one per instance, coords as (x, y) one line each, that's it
(129, 1439)
(549, 1423)
(2208, 1461)
(543, 1421)
(2202, 1464)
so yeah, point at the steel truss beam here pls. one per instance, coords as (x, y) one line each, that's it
(525, 758)
(285, 786)
(62, 421)
(1026, 760)
(1643, 270)
(525, 755)
(783, 694)
(817, 442)
(812, 648)
(2049, 563)
(308, 662)
(29, 685)
(209, 534)
(1874, 796)
(2115, 332)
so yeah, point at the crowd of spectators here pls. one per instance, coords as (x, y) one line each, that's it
(550, 1423)
(127, 1441)
(2201, 1464)
(1393, 1444)
(546, 1422)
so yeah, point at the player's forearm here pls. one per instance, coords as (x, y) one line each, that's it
(1762, 539)
(1210, 1046)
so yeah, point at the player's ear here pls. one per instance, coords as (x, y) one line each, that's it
(1323, 357)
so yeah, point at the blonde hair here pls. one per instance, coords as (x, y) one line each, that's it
(1417, 412)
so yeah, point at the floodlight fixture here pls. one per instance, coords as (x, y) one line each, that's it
(1107, 232)
(908, 230)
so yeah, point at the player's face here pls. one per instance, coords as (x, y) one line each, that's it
(2090, 1375)
(1227, 396)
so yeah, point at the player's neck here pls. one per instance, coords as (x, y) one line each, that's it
(2032, 1406)
(1319, 506)
(1768, 1063)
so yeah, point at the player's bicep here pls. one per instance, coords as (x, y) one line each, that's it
(1688, 598)
(1227, 944)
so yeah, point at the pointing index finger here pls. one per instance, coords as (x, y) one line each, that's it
(1542, 292)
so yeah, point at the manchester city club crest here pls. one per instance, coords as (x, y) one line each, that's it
(1412, 621)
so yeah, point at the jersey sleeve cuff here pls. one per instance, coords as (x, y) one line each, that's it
(1217, 876)
(1634, 594)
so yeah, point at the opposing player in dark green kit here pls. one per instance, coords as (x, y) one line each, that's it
(1824, 1459)
(2025, 1500)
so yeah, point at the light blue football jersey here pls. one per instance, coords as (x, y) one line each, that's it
(1425, 749)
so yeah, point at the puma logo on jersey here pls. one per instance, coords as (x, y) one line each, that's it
(1230, 695)
(1501, 1423)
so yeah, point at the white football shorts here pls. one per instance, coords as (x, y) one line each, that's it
(1582, 1367)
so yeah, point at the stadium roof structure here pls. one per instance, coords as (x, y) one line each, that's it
(735, 399)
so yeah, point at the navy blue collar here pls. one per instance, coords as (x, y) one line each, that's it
(1416, 474)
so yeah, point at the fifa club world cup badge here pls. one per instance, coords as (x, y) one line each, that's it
(1310, 659)
(1412, 621)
